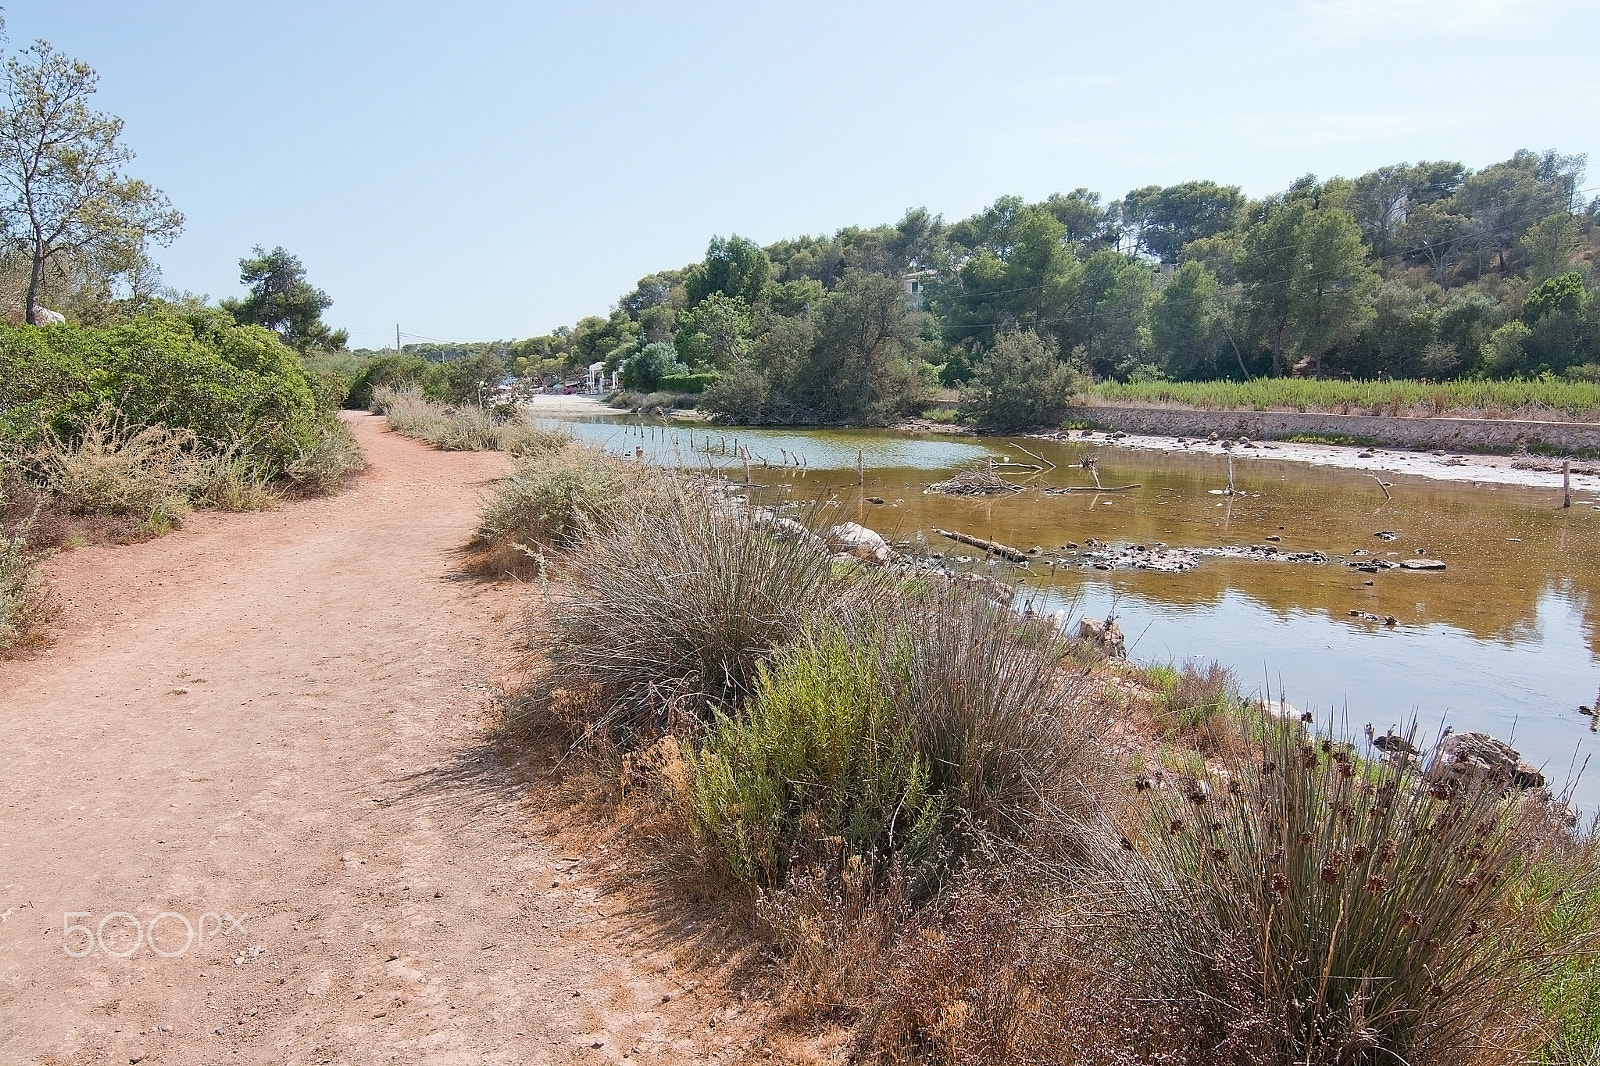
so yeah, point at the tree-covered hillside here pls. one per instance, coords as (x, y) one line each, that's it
(1425, 270)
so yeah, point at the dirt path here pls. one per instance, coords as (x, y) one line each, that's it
(266, 729)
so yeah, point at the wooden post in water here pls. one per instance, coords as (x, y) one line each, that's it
(861, 468)
(744, 453)
(1230, 474)
(1566, 482)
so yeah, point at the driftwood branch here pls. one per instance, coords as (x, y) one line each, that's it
(1382, 486)
(1003, 551)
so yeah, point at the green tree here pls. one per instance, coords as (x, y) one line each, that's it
(282, 300)
(1185, 326)
(715, 332)
(65, 196)
(1306, 277)
(859, 368)
(1163, 220)
(1018, 384)
(1562, 294)
(644, 370)
(733, 267)
(1550, 244)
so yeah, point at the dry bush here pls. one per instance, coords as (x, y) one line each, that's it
(554, 500)
(26, 605)
(836, 931)
(467, 428)
(113, 471)
(327, 466)
(975, 982)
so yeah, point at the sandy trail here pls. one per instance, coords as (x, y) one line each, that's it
(275, 720)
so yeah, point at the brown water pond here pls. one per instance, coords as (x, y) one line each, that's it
(1502, 640)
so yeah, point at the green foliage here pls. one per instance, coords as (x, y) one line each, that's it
(732, 267)
(234, 387)
(715, 333)
(645, 369)
(818, 756)
(1167, 219)
(391, 370)
(1185, 326)
(1562, 294)
(688, 382)
(1018, 384)
(282, 300)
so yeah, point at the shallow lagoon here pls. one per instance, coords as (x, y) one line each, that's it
(1503, 640)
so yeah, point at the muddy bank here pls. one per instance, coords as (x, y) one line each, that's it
(1532, 471)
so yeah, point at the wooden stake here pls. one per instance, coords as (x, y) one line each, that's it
(861, 468)
(1382, 486)
(1566, 482)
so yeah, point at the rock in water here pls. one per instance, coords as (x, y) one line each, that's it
(1471, 755)
(858, 541)
(1105, 636)
(1421, 564)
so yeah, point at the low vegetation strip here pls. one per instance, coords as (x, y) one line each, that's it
(1534, 400)
(924, 801)
(464, 427)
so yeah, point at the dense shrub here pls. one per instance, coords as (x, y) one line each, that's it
(819, 755)
(393, 371)
(690, 383)
(1018, 384)
(233, 387)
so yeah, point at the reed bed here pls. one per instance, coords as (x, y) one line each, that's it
(1544, 398)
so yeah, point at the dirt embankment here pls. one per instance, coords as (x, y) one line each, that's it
(255, 757)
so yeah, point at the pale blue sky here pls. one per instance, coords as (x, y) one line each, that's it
(483, 170)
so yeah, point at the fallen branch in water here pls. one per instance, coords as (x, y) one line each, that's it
(1003, 551)
(1091, 488)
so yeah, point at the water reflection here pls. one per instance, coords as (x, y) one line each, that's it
(1504, 640)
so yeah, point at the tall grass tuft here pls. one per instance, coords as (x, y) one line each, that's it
(674, 607)
(25, 601)
(1316, 907)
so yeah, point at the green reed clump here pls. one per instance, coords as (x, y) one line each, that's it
(1576, 399)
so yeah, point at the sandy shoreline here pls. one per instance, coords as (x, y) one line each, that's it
(546, 403)
(1531, 471)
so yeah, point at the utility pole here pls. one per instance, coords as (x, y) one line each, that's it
(397, 338)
